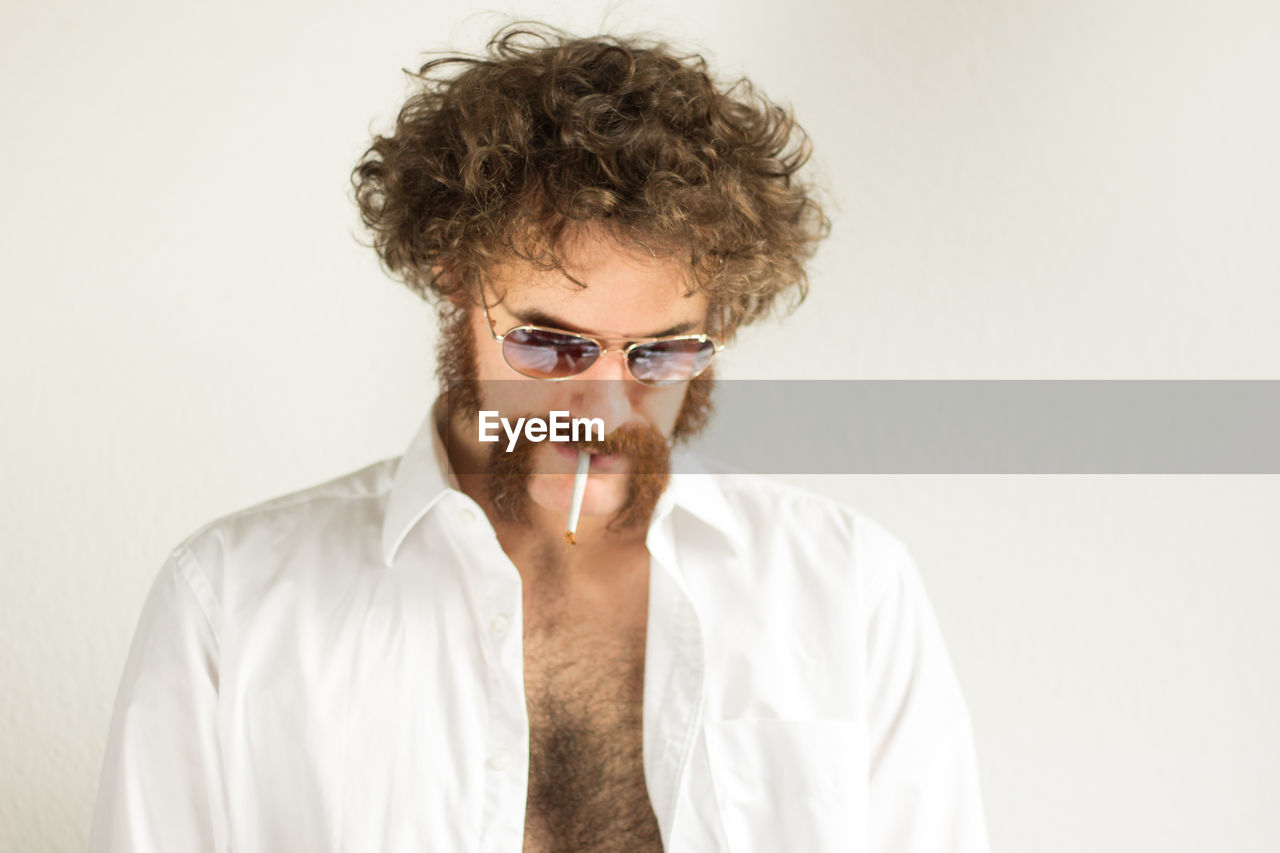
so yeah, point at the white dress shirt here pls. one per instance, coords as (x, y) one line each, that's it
(341, 669)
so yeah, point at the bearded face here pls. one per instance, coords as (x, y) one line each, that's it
(634, 458)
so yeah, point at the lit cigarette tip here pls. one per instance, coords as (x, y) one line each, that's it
(579, 487)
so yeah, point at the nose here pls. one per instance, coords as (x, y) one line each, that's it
(603, 391)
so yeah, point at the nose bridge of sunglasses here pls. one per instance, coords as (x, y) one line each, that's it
(610, 365)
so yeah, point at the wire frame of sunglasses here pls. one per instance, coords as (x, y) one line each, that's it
(554, 354)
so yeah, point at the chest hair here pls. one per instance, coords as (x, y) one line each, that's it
(584, 685)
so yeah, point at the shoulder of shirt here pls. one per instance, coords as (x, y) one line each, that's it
(371, 484)
(767, 508)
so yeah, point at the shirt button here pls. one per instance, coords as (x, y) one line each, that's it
(467, 517)
(499, 624)
(500, 760)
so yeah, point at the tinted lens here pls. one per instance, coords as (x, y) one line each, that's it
(548, 355)
(668, 362)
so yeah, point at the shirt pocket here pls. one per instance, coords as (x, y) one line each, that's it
(790, 784)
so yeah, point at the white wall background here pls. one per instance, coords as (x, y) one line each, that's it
(1020, 190)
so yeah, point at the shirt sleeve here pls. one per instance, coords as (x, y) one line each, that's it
(924, 791)
(161, 787)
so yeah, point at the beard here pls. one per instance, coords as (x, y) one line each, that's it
(507, 474)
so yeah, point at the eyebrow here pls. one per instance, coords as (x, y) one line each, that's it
(534, 317)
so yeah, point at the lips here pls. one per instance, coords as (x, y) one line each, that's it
(600, 462)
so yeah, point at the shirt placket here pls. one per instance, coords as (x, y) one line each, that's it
(497, 595)
(674, 684)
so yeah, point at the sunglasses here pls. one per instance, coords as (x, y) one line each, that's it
(554, 354)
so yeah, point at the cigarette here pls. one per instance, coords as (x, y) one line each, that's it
(575, 504)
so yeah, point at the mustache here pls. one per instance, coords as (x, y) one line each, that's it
(639, 440)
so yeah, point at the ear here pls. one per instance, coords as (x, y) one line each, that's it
(457, 298)
(716, 321)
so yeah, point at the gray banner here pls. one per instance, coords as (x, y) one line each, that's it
(996, 427)
(962, 426)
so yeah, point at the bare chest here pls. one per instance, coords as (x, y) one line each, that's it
(584, 685)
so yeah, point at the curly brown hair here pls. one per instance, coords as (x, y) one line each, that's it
(547, 131)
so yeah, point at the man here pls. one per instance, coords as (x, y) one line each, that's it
(414, 657)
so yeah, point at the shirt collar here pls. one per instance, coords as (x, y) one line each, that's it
(423, 476)
(699, 492)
